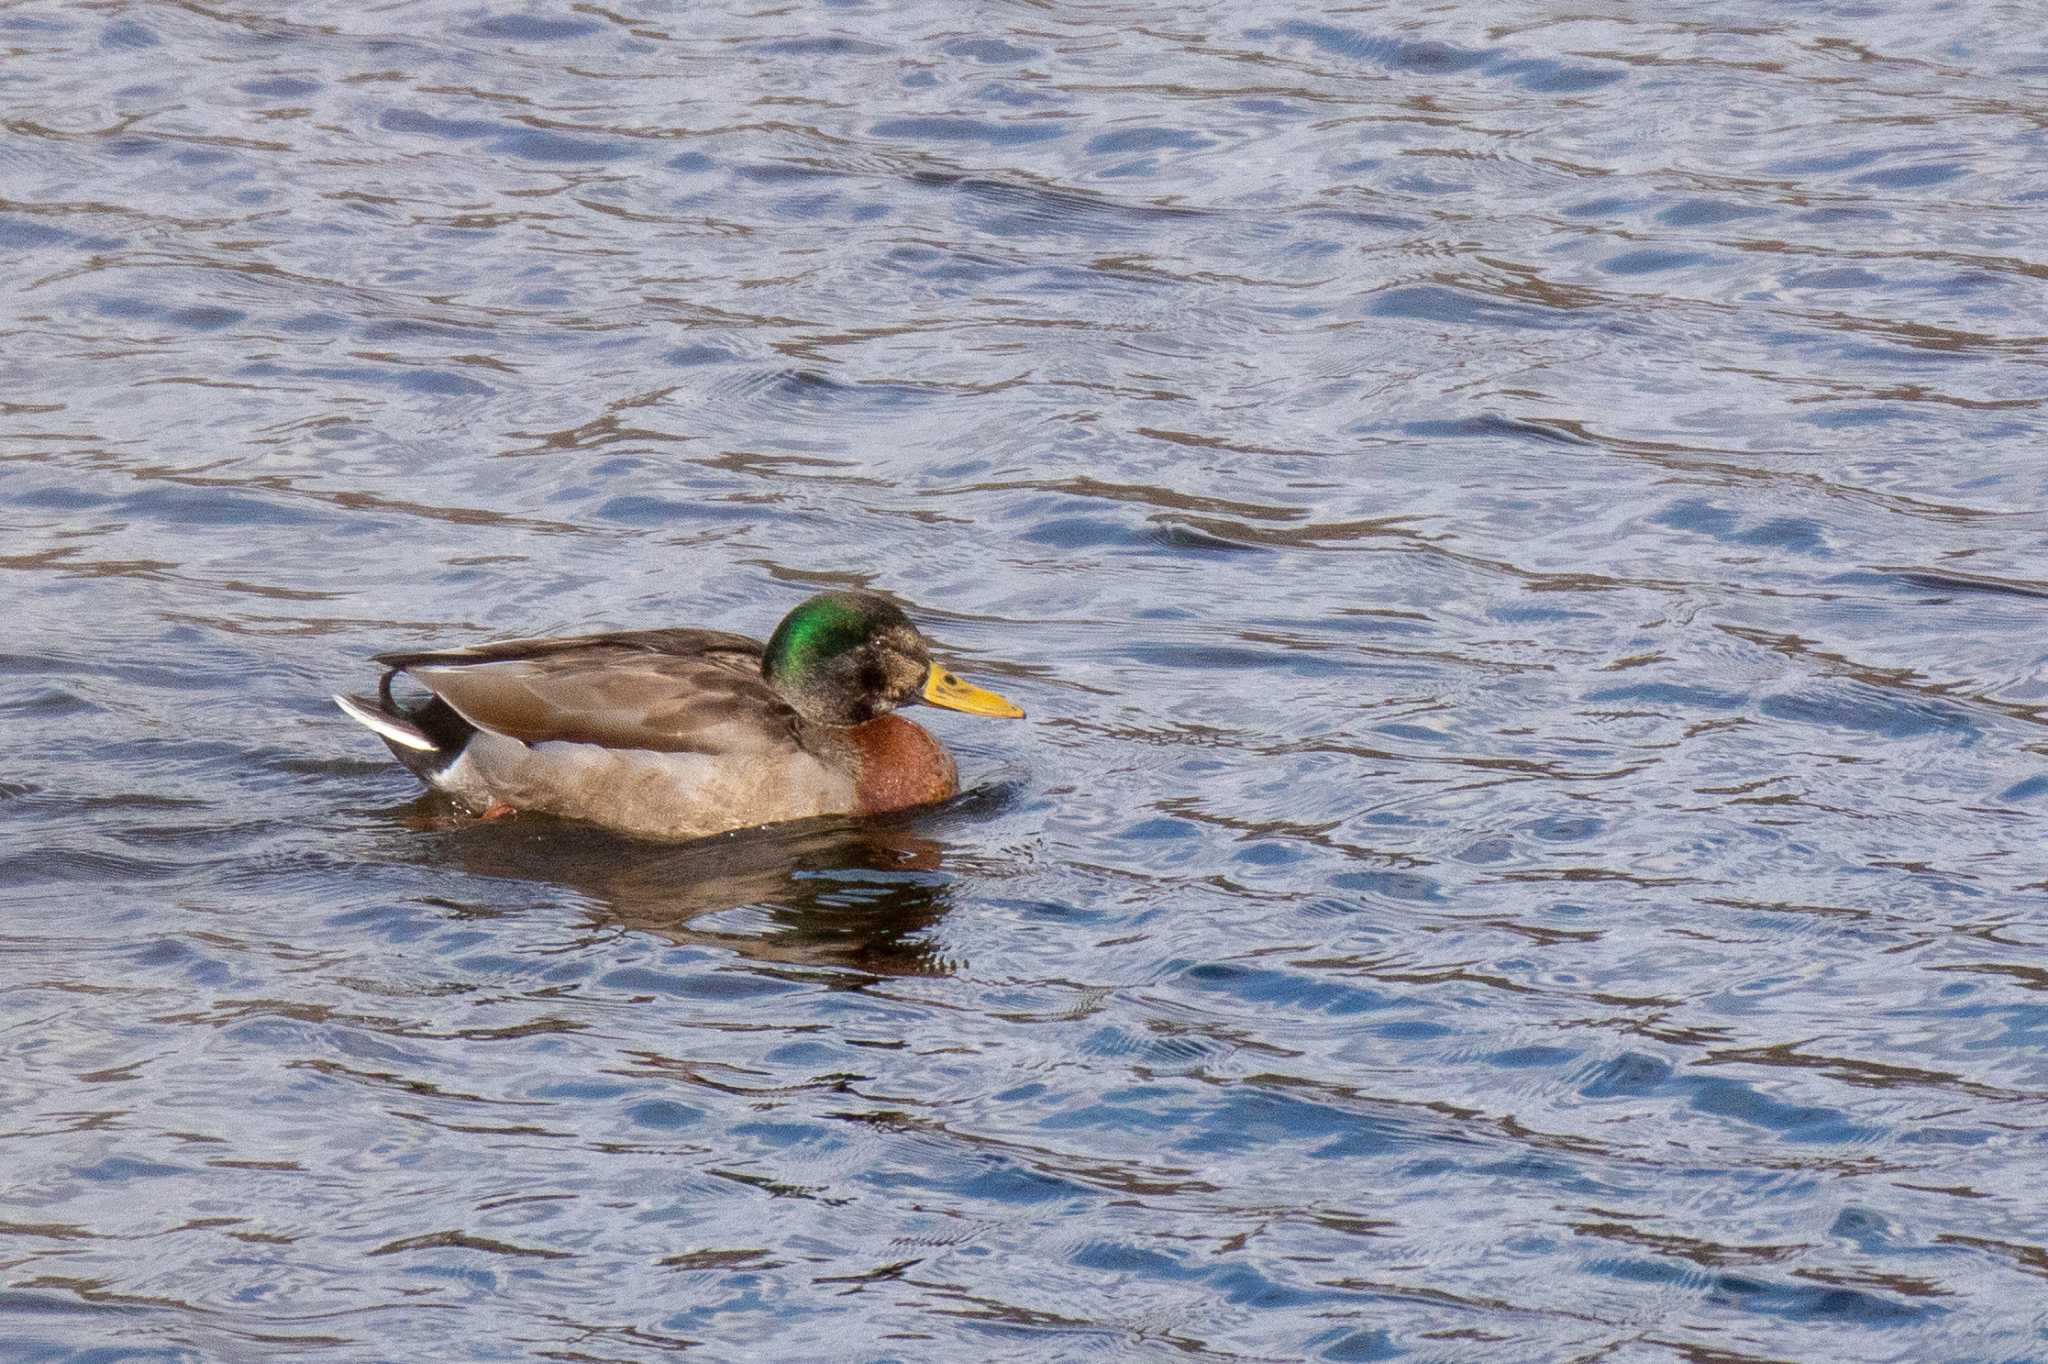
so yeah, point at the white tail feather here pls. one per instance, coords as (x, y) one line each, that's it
(397, 731)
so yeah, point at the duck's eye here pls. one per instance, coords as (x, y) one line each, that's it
(871, 677)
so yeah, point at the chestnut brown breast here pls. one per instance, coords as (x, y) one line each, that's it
(900, 766)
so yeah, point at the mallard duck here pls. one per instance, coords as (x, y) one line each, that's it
(682, 733)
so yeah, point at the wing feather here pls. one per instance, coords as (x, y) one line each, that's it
(668, 691)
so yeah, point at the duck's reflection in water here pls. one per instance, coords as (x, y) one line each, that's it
(848, 894)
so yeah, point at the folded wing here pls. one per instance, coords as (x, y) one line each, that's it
(666, 691)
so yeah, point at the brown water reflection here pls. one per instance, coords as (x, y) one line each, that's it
(860, 896)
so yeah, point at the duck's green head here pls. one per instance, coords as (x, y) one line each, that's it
(843, 658)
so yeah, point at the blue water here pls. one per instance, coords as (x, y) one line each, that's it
(1520, 534)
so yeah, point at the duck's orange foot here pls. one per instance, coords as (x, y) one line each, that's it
(499, 811)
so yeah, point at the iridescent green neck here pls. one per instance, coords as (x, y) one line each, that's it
(817, 629)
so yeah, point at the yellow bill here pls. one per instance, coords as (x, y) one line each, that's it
(942, 688)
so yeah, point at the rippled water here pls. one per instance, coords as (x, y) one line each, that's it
(1520, 532)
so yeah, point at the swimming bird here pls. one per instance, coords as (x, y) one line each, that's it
(679, 733)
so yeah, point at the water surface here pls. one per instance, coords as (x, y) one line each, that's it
(1519, 533)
